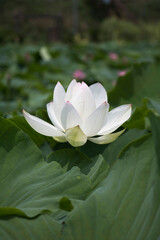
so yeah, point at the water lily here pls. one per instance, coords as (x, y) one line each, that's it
(79, 114)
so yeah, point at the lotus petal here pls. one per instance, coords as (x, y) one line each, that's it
(106, 138)
(83, 100)
(41, 126)
(76, 137)
(69, 116)
(99, 93)
(52, 116)
(61, 139)
(95, 121)
(115, 118)
(70, 88)
(58, 100)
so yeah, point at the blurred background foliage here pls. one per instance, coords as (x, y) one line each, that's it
(100, 20)
(114, 42)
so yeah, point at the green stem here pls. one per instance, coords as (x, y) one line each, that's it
(78, 149)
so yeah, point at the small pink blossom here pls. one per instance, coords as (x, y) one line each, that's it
(113, 56)
(122, 73)
(79, 74)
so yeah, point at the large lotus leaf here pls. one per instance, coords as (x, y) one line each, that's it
(113, 151)
(138, 117)
(96, 169)
(43, 142)
(65, 158)
(154, 106)
(29, 185)
(127, 203)
(9, 134)
(42, 227)
(155, 125)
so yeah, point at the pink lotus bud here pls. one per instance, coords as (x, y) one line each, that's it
(113, 56)
(79, 74)
(122, 73)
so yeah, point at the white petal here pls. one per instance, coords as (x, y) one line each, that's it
(106, 138)
(69, 116)
(51, 114)
(83, 100)
(76, 89)
(59, 93)
(41, 126)
(60, 139)
(95, 121)
(58, 100)
(99, 93)
(76, 137)
(69, 92)
(115, 118)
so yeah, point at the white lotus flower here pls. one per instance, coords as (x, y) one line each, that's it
(79, 114)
